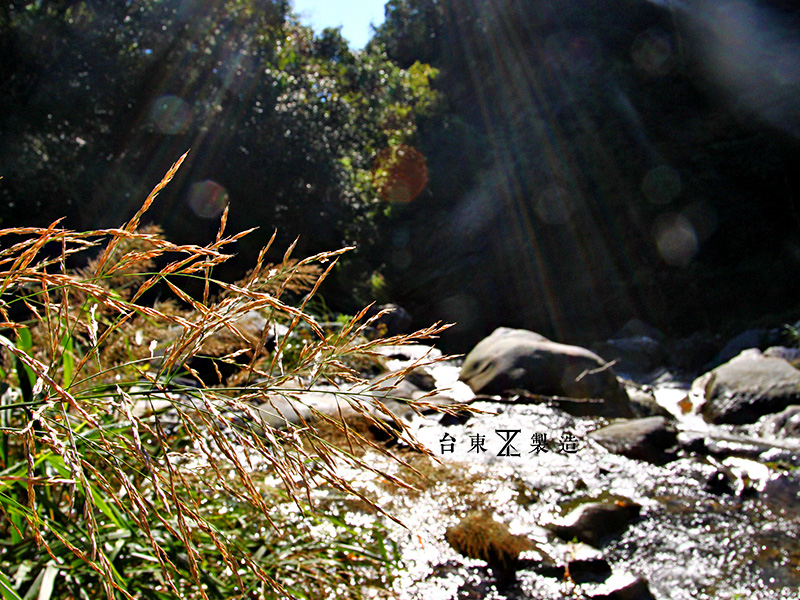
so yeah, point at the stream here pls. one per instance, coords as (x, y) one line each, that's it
(720, 521)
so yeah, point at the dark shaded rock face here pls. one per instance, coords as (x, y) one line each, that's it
(596, 522)
(517, 359)
(752, 338)
(635, 590)
(747, 388)
(395, 320)
(637, 355)
(642, 439)
(644, 403)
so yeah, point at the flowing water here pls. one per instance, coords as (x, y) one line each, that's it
(713, 525)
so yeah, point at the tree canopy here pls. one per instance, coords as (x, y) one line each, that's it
(561, 166)
(100, 98)
(602, 160)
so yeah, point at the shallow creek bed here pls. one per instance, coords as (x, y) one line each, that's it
(718, 519)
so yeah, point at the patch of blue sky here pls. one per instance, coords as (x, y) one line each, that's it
(356, 17)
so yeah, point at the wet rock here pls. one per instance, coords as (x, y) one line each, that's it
(782, 493)
(636, 349)
(152, 403)
(457, 418)
(633, 355)
(389, 399)
(792, 355)
(648, 439)
(595, 522)
(638, 589)
(748, 477)
(783, 424)
(294, 406)
(644, 404)
(746, 388)
(517, 359)
(479, 536)
(719, 483)
(589, 570)
(421, 379)
(692, 354)
(398, 391)
(752, 338)
(638, 328)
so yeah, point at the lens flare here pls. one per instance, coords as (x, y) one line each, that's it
(703, 218)
(652, 52)
(462, 309)
(207, 199)
(170, 115)
(400, 174)
(753, 51)
(662, 185)
(676, 240)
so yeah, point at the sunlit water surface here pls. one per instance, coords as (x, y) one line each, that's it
(689, 542)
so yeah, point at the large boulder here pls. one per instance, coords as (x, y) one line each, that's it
(747, 388)
(390, 398)
(647, 439)
(517, 359)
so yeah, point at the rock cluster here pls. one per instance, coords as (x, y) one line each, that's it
(517, 359)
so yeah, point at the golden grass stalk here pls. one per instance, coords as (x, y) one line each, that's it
(84, 454)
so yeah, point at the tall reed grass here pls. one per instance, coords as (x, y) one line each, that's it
(125, 471)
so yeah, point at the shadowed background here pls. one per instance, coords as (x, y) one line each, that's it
(586, 162)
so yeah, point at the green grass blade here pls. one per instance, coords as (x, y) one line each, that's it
(6, 589)
(68, 359)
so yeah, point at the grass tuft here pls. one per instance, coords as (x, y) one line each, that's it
(135, 457)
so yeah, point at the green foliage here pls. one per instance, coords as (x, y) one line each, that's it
(100, 95)
(128, 471)
(412, 30)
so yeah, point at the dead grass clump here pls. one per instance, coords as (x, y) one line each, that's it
(479, 536)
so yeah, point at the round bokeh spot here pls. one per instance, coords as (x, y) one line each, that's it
(207, 199)
(676, 240)
(170, 115)
(652, 52)
(662, 185)
(400, 174)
